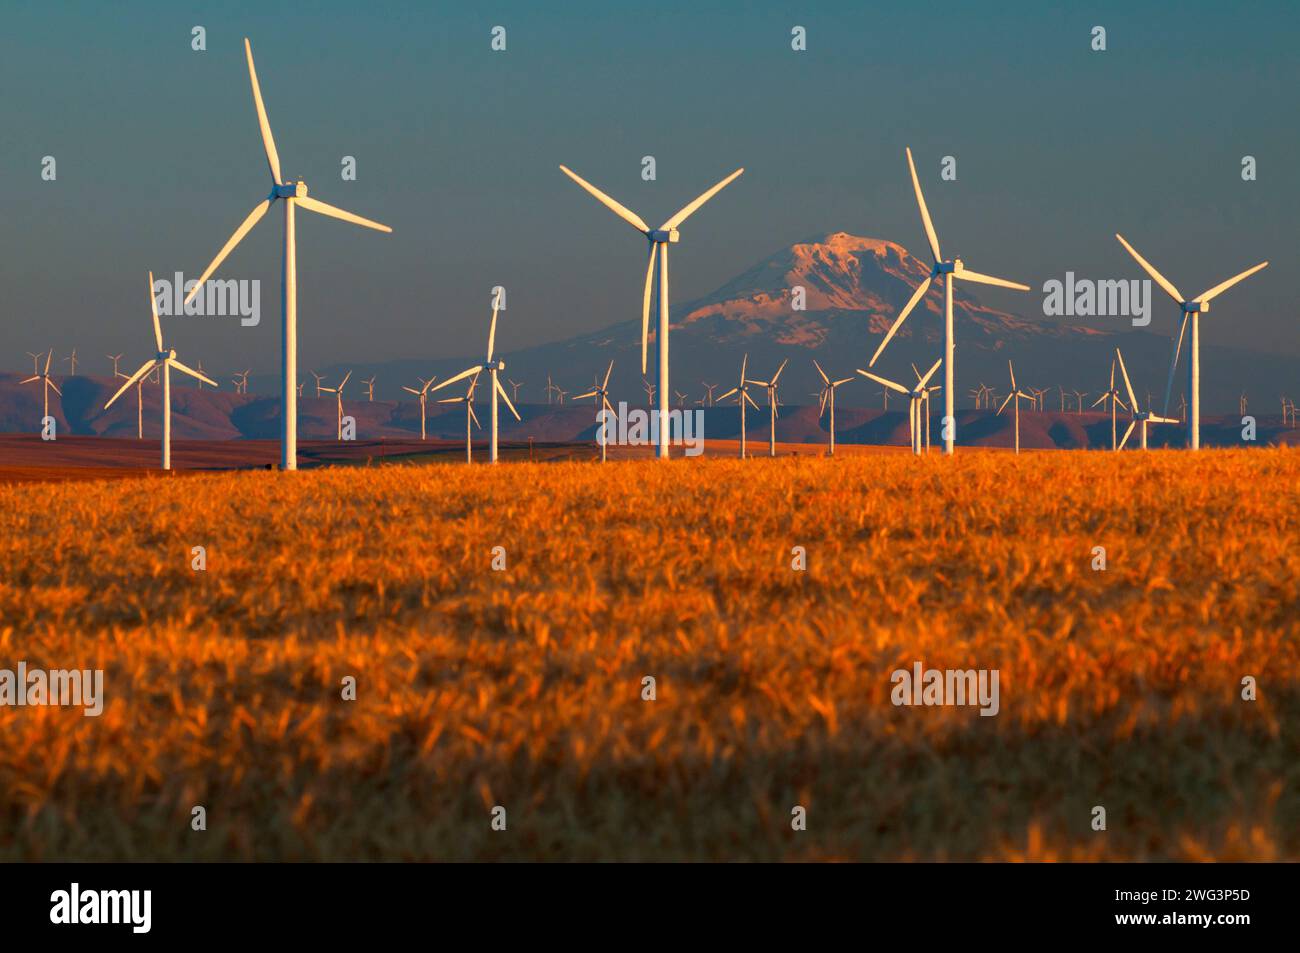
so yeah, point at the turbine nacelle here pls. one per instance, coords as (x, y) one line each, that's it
(1193, 307)
(167, 355)
(946, 267)
(662, 235)
(290, 190)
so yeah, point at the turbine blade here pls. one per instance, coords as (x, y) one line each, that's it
(1128, 385)
(145, 368)
(825, 379)
(917, 295)
(882, 380)
(822, 411)
(473, 416)
(625, 214)
(842, 380)
(723, 397)
(492, 331)
(1004, 404)
(322, 208)
(645, 305)
(751, 400)
(1013, 376)
(978, 278)
(1224, 286)
(743, 364)
(1173, 365)
(50, 381)
(757, 383)
(253, 218)
(411, 390)
(779, 370)
(609, 370)
(48, 357)
(1127, 433)
(690, 209)
(30, 379)
(460, 377)
(190, 371)
(925, 212)
(930, 373)
(1149, 268)
(268, 141)
(1100, 400)
(153, 307)
(504, 396)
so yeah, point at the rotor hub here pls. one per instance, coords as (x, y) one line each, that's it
(662, 236)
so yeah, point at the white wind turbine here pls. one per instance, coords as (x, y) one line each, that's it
(659, 239)
(742, 397)
(1192, 309)
(494, 366)
(338, 395)
(46, 382)
(770, 387)
(828, 396)
(294, 195)
(319, 378)
(370, 388)
(1016, 395)
(601, 393)
(1116, 401)
(1140, 416)
(470, 419)
(951, 270)
(423, 394)
(164, 360)
(916, 396)
(36, 361)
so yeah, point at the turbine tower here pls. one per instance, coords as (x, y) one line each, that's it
(949, 270)
(770, 387)
(423, 394)
(1192, 309)
(1016, 395)
(659, 239)
(165, 360)
(294, 195)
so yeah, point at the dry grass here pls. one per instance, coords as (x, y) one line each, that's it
(522, 687)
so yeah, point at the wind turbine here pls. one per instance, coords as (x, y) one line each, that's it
(770, 387)
(681, 398)
(742, 397)
(164, 360)
(915, 396)
(471, 420)
(72, 360)
(112, 357)
(1192, 309)
(1016, 395)
(828, 397)
(370, 388)
(240, 381)
(494, 366)
(1079, 395)
(601, 393)
(514, 389)
(1113, 396)
(659, 239)
(423, 394)
(46, 382)
(319, 378)
(649, 392)
(550, 388)
(139, 404)
(294, 195)
(338, 396)
(954, 269)
(36, 366)
(708, 392)
(1143, 417)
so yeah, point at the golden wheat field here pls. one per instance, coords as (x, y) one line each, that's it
(523, 687)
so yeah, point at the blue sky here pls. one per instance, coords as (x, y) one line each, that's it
(457, 147)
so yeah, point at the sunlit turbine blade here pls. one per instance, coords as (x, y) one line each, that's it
(719, 399)
(48, 357)
(625, 214)
(492, 331)
(1127, 433)
(153, 308)
(975, 276)
(1173, 365)
(690, 209)
(450, 400)
(842, 380)
(1004, 404)
(460, 377)
(608, 405)
(779, 370)
(590, 393)
(825, 393)
(54, 386)
(645, 305)
(930, 373)
(145, 368)
(1158, 278)
(253, 218)
(411, 390)
(1128, 385)
(1224, 286)
(272, 157)
(917, 295)
(30, 379)
(316, 205)
(473, 416)
(609, 370)
(881, 380)
(1100, 399)
(1120, 400)
(1012, 370)
(825, 379)
(502, 391)
(756, 383)
(190, 371)
(751, 401)
(925, 212)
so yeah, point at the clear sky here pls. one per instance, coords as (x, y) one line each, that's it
(158, 156)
